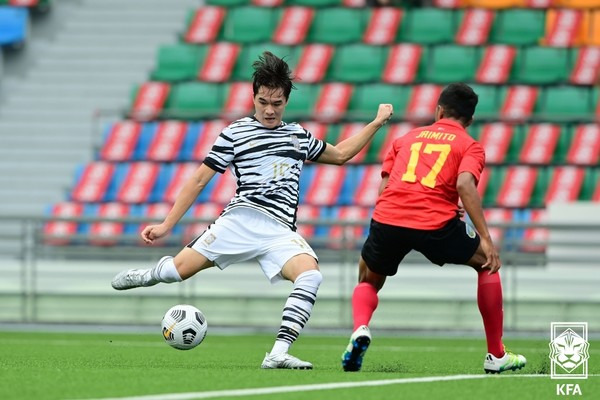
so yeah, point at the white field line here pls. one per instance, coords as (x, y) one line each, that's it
(313, 387)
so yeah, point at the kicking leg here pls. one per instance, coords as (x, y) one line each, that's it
(304, 272)
(168, 269)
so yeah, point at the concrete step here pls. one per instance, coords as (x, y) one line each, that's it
(124, 27)
(36, 197)
(62, 75)
(94, 64)
(48, 155)
(62, 168)
(73, 102)
(105, 39)
(26, 182)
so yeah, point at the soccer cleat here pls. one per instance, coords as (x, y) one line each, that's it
(510, 361)
(359, 343)
(133, 278)
(285, 361)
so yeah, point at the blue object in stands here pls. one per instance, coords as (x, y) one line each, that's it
(13, 25)
(191, 138)
(146, 135)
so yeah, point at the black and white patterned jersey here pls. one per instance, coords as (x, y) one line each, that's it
(266, 163)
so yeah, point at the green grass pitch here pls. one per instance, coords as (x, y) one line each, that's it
(85, 366)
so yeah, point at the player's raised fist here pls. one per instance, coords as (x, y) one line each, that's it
(384, 113)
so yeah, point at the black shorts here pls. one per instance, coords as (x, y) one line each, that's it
(386, 245)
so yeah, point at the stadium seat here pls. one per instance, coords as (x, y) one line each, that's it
(565, 103)
(577, 3)
(302, 102)
(585, 65)
(249, 24)
(314, 3)
(227, 3)
(584, 147)
(499, 4)
(204, 24)
(591, 184)
(357, 63)
(243, 68)
(496, 177)
(178, 62)
(518, 27)
(539, 144)
(450, 63)
(538, 195)
(541, 65)
(488, 106)
(366, 99)
(337, 26)
(193, 100)
(120, 140)
(427, 26)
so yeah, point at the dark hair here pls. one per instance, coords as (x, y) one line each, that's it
(459, 101)
(272, 72)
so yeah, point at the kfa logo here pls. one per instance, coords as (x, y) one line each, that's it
(569, 354)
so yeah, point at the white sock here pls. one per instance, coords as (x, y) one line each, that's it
(297, 309)
(165, 271)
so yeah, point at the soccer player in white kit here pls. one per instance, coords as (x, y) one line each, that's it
(266, 155)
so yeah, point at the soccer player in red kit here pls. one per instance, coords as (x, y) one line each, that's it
(424, 176)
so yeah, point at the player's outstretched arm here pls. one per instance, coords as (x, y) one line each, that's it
(186, 197)
(346, 149)
(467, 190)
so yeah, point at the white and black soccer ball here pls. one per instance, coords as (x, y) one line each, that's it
(184, 327)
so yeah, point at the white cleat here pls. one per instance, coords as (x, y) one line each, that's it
(284, 360)
(133, 278)
(510, 361)
(355, 351)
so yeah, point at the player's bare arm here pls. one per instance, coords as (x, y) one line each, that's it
(186, 197)
(467, 190)
(346, 149)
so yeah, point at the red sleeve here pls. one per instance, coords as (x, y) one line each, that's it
(473, 160)
(388, 163)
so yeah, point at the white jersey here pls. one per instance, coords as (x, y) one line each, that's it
(266, 163)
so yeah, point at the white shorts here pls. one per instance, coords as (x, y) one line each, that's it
(244, 234)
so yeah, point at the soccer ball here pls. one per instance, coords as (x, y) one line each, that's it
(184, 327)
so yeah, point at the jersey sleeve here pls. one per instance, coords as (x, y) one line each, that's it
(388, 162)
(316, 147)
(473, 160)
(221, 154)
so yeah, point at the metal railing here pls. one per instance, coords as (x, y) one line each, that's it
(38, 288)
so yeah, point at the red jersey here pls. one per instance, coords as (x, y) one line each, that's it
(423, 167)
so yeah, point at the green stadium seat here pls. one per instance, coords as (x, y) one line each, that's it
(301, 102)
(314, 3)
(243, 69)
(516, 144)
(194, 100)
(450, 63)
(249, 24)
(518, 27)
(178, 62)
(366, 99)
(541, 187)
(541, 65)
(565, 103)
(357, 63)
(427, 26)
(590, 181)
(337, 26)
(563, 145)
(493, 187)
(488, 106)
(227, 3)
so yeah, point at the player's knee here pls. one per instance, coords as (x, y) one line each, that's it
(311, 278)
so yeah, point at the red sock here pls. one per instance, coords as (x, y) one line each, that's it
(489, 300)
(364, 303)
